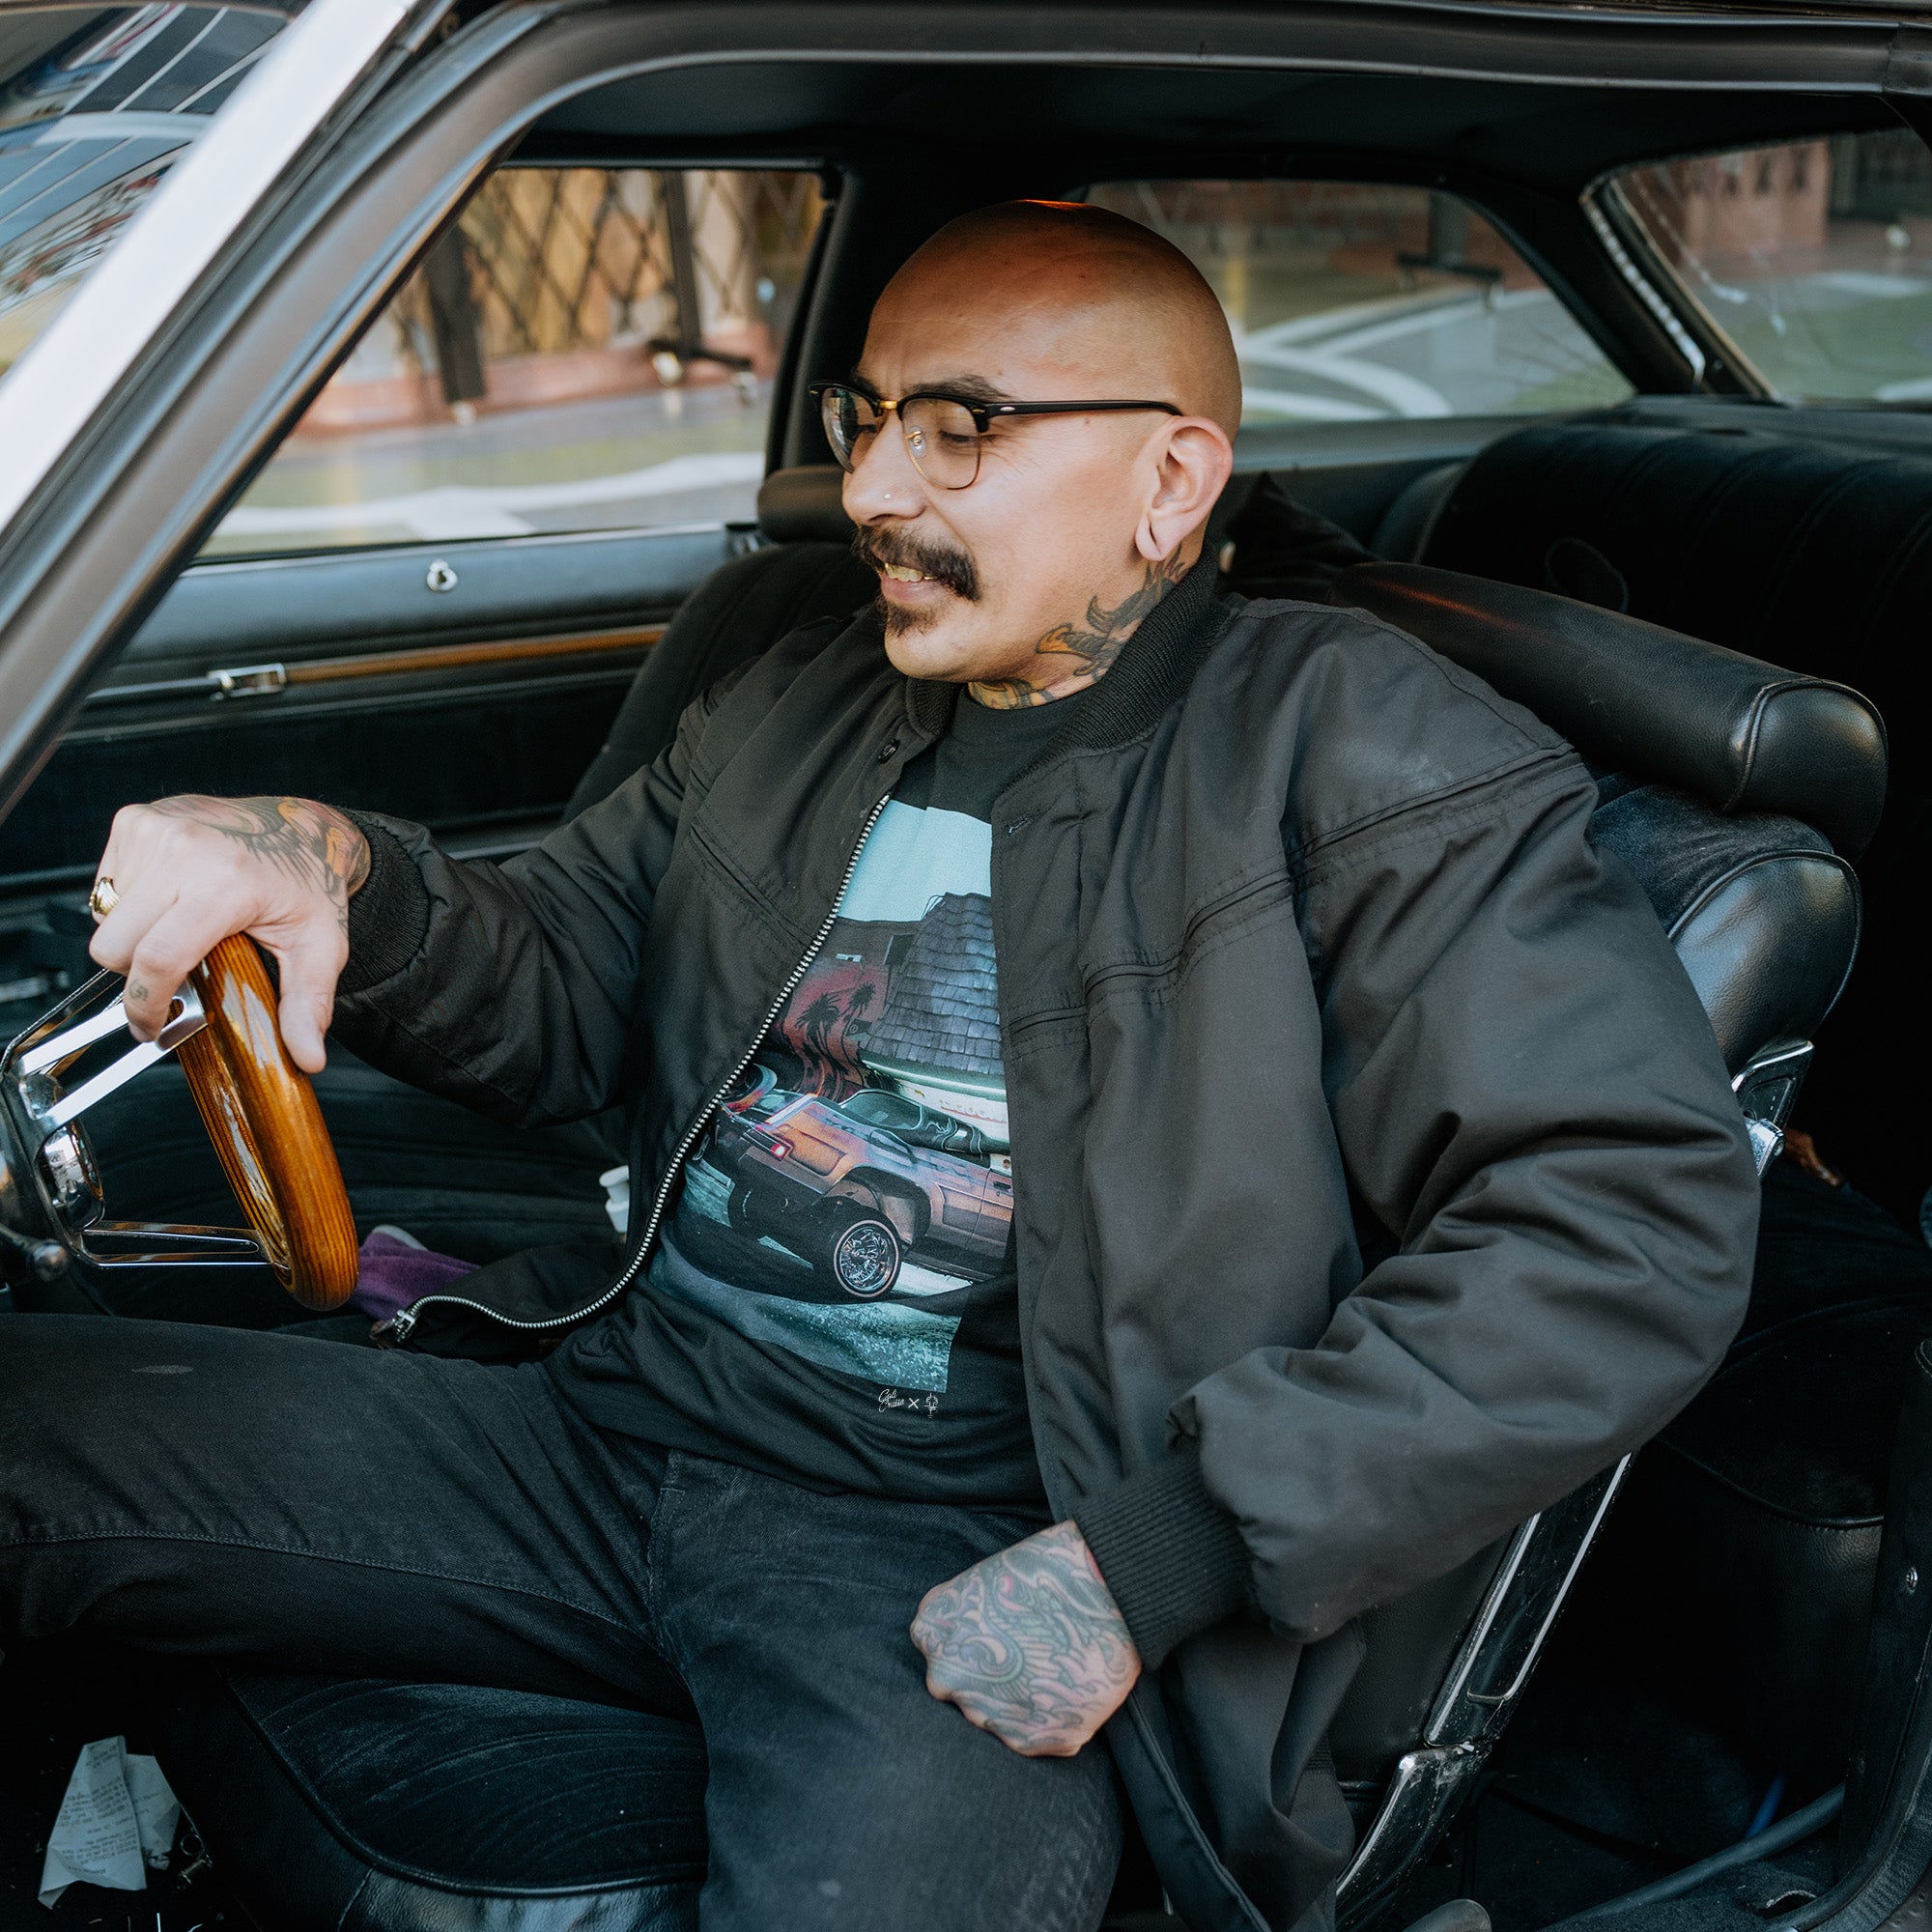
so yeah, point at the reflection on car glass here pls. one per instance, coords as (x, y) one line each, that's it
(90, 124)
(1812, 258)
(1351, 301)
(589, 349)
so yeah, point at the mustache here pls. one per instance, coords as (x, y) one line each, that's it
(945, 563)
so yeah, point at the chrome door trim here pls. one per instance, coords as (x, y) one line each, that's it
(50, 395)
(1534, 1586)
(272, 679)
(1430, 1786)
(1498, 1651)
(1766, 1092)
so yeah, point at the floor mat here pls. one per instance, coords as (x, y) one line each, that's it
(54, 1699)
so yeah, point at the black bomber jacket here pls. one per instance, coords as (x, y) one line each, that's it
(1377, 1177)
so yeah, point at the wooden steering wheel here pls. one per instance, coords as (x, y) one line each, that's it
(268, 1129)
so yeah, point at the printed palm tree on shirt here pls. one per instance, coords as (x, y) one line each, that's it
(815, 1026)
(825, 1027)
(858, 1003)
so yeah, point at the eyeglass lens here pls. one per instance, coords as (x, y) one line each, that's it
(941, 437)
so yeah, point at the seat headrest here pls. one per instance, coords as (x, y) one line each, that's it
(801, 505)
(1633, 697)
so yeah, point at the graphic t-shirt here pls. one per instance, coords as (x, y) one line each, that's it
(832, 1297)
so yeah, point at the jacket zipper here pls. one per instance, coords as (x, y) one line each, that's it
(397, 1328)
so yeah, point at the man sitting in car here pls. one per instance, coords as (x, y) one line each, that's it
(1300, 1157)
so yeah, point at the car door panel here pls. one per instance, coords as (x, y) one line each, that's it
(473, 708)
(470, 705)
(320, 605)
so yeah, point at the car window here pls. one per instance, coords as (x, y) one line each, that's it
(95, 105)
(1813, 257)
(882, 1108)
(587, 348)
(1351, 301)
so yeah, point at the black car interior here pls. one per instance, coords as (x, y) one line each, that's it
(1716, 598)
(372, 1804)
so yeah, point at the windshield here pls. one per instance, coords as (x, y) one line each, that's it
(1812, 258)
(95, 105)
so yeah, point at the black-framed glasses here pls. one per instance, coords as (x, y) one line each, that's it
(943, 432)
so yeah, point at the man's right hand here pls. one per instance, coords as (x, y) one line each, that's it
(191, 871)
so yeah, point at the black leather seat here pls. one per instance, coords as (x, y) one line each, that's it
(1761, 1511)
(1762, 1505)
(361, 1807)
(390, 1807)
(1807, 553)
(804, 569)
(1720, 778)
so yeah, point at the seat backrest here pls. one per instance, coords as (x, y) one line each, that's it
(1719, 778)
(1809, 552)
(802, 570)
(1740, 733)
(1812, 555)
(1736, 791)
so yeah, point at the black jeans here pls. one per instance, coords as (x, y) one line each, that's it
(218, 1492)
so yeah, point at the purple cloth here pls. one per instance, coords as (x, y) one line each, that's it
(395, 1274)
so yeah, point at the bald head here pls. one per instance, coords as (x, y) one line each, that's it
(1018, 550)
(1086, 289)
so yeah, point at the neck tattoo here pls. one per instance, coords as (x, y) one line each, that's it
(1087, 650)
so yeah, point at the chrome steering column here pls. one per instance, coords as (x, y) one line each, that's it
(52, 1206)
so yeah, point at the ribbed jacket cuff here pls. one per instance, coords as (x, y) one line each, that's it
(1172, 1557)
(388, 915)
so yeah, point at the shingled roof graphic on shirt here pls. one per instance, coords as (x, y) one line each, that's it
(942, 1006)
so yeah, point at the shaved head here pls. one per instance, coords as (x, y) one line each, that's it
(1119, 297)
(1023, 573)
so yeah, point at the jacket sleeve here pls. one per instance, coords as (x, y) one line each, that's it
(1530, 1101)
(512, 987)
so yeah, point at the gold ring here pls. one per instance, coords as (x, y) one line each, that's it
(104, 898)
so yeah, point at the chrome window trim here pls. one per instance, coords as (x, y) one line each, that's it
(220, 565)
(1645, 290)
(50, 395)
(1622, 230)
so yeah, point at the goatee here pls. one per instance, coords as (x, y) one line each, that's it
(945, 563)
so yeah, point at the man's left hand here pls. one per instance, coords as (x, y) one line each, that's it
(1030, 1644)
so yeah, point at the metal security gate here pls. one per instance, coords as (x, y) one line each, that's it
(692, 265)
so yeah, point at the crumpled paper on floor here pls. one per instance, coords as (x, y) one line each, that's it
(117, 1819)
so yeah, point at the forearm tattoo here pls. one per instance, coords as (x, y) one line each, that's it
(1030, 1642)
(312, 844)
(1089, 648)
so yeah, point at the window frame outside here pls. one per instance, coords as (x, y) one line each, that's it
(1728, 366)
(785, 351)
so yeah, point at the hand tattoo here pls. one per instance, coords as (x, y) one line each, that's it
(313, 844)
(1092, 649)
(1030, 1644)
